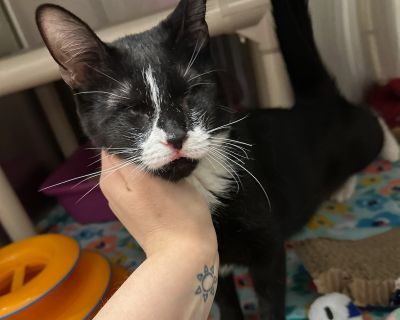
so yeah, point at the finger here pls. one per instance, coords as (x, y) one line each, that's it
(106, 161)
(113, 207)
(135, 178)
(133, 175)
(111, 182)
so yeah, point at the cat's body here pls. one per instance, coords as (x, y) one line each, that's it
(303, 156)
(165, 76)
(299, 172)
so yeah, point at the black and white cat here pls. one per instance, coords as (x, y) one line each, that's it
(152, 99)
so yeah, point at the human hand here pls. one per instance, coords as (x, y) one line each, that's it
(172, 223)
(158, 213)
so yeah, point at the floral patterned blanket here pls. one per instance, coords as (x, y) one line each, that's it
(373, 209)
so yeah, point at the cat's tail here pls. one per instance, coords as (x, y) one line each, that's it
(307, 73)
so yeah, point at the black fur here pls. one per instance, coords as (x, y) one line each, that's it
(167, 48)
(301, 155)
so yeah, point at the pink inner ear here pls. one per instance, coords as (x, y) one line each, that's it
(71, 42)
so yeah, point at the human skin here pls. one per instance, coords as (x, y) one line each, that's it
(172, 223)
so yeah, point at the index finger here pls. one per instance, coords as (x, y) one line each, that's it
(125, 168)
(111, 181)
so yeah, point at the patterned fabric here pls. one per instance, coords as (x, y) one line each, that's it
(373, 209)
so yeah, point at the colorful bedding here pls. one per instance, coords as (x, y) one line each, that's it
(373, 209)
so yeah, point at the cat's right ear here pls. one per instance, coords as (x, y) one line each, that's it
(71, 42)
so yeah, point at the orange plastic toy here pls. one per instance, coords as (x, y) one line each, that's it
(48, 278)
(78, 296)
(32, 268)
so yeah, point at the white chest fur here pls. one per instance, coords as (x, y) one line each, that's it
(211, 179)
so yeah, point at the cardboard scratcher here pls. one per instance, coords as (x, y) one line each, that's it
(365, 270)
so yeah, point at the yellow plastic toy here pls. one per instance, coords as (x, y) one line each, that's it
(32, 268)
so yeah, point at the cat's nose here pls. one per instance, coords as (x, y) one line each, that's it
(176, 139)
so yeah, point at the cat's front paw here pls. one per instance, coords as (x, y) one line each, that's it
(346, 191)
(390, 150)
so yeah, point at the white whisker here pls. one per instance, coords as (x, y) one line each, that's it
(233, 141)
(101, 92)
(137, 169)
(91, 175)
(109, 148)
(106, 75)
(226, 109)
(231, 145)
(195, 57)
(88, 178)
(227, 125)
(256, 180)
(232, 173)
(203, 74)
(108, 155)
(123, 165)
(191, 58)
(201, 84)
(229, 153)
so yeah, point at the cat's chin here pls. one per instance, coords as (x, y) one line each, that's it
(178, 169)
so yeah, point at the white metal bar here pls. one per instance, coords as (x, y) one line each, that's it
(15, 23)
(273, 84)
(55, 114)
(13, 216)
(36, 67)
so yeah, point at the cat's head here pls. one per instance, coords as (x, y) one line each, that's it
(152, 98)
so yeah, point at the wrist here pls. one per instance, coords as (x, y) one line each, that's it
(201, 243)
(188, 247)
(188, 259)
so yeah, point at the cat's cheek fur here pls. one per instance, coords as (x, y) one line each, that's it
(197, 144)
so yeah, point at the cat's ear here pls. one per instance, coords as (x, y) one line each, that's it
(71, 42)
(187, 23)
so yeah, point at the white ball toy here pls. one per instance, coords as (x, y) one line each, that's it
(334, 306)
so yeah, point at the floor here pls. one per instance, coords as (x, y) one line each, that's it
(373, 209)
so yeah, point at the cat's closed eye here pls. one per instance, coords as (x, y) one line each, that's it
(136, 110)
(138, 113)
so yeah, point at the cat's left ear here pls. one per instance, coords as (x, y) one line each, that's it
(187, 23)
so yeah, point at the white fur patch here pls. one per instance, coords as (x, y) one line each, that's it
(226, 270)
(390, 150)
(346, 191)
(197, 143)
(154, 90)
(156, 153)
(211, 179)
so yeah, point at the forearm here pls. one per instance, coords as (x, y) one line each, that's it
(167, 286)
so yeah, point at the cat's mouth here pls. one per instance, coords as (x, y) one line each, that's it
(177, 169)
